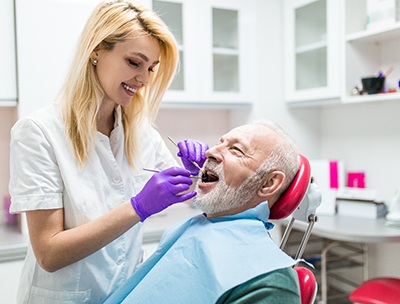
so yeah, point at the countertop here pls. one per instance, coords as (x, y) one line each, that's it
(352, 229)
(14, 244)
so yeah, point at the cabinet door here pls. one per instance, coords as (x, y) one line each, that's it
(312, 49)
(8, 76)
(175, 14)
(46, 42)
(230, 43)
(214, 43)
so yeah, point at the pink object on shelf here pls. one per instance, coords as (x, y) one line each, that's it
(334, 174)
(356, 179)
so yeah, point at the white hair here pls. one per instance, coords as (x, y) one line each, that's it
(283, 157)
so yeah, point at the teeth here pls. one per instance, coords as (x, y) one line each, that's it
(204, 177)
(129, 88)
(209, 177)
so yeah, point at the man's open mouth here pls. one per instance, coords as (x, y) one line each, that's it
(209, 177)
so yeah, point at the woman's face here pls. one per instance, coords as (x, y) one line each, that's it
(126, 68)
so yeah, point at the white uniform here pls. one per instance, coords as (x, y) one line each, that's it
(44, 175)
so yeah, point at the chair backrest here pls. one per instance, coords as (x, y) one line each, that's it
(294, 194)
(300, 199)
(308, 285)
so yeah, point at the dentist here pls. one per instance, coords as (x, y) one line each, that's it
(77, 166)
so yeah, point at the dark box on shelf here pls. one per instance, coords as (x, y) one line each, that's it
(373, 85)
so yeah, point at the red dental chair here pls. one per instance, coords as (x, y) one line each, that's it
(301, 200)
(384, 290)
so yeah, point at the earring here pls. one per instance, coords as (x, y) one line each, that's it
(95, 61)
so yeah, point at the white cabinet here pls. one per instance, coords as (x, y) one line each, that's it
(210, 73)
(215, 43)
(8, 73)
(312, 50)
(47, 33)
(329, 49)
(368, 51)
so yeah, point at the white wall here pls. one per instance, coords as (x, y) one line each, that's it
(201, 124)
(367, 138)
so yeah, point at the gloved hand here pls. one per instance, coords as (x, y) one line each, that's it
(162, 191)
(192, 151)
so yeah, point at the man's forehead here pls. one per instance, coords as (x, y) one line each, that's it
(249, 132)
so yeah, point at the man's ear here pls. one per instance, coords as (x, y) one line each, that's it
(273, 182)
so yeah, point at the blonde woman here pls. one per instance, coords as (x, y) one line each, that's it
(77, 166)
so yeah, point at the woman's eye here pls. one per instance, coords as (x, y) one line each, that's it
(134, 63)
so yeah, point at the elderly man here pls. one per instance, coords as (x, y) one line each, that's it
(226, 254)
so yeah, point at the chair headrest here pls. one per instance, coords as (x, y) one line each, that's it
(294, 194)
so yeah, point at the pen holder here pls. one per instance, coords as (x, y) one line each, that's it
(373, 85)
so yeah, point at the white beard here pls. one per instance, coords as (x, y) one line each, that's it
(223, 197)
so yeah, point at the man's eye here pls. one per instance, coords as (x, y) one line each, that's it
(237, 150)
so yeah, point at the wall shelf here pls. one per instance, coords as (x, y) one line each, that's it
(376, 35)
(206, 105)
(311, 47)
(372, 98)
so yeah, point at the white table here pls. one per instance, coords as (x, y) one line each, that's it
(352, 229)
(342, 230)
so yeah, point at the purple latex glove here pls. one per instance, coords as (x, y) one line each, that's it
(192, 151)
(162, 190)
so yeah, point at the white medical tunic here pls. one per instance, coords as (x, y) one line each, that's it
(44, 175)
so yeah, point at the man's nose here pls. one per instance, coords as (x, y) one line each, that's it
(214, 153)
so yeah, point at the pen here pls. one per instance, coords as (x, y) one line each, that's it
(157, 171)
(194, 163)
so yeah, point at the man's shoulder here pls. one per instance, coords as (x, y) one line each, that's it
(281, 285)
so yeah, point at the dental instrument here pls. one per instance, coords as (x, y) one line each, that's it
(158, 171)
(193, 162)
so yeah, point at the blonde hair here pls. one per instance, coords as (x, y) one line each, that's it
(112, 22)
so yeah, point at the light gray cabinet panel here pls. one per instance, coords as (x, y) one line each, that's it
(8, 76)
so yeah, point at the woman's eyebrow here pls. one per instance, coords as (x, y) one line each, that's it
(144, 57)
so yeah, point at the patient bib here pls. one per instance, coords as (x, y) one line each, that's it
(199, 260)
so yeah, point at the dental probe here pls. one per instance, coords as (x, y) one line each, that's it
(193, 162)
(157, 171)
